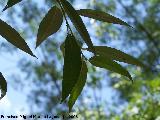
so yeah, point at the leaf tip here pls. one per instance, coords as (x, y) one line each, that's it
(32, 55)
(37, 44)
(36, 47)
(35, 57)
(5, 8)
(131, 26)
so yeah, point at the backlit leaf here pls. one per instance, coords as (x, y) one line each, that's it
(12, 36)
(50, 24)
(78, 23)
(72, 65)
(3, 86)
(10, 3)
(117, 55)
(107, 63)
(101, 16)
(78, 86)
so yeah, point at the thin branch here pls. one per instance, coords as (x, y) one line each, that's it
(63, 12)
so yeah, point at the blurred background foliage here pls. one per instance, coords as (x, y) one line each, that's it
(106, 95)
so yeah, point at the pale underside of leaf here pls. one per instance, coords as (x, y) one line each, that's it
(12, 36)
(72, 66)
(50, 24)
(101, 16)
(107, 63)
(11, 3)
(3, 86)
(117, 55)
(78, 86)
(78, 23)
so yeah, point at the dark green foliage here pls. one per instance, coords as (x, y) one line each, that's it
(12, 36)
(117, 55)
(72, 65)
(49, 25)
(78, 23)
(101, 16)
(107, 63)
(3, 86)
(76, 91)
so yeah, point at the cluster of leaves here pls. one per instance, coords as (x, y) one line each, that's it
(143, 99)
(75, 67)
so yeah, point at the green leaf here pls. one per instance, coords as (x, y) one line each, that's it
(72, 65)
(78, 86)
(78, 23)
(12, 36)
(107, 63)
(10, 3)
(3, 86)
(101, 16)
(117, 55)
(50, 24)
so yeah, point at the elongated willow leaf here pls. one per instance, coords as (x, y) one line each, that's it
(117, 55)
(101, 16)
(107, 63)
(78, 23)
(50, 24)
(78, 86)
(10, 3)
(72, 65)
(3, 86)
(12, 36)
